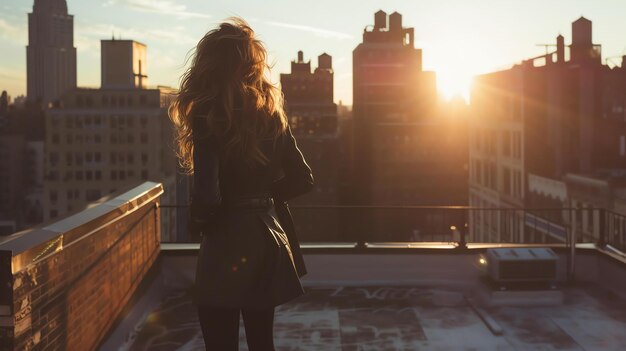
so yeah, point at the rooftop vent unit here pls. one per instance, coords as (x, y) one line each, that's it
(510, 265)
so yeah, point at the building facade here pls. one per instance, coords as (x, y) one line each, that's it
(404, 153)
(313, 119)
(50, 54)
(546, 120)
(100, 141)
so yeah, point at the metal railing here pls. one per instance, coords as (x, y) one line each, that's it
(455, 225)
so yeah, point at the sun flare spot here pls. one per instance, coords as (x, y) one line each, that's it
(454, 83)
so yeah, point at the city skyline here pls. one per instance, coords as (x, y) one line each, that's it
(457, 44)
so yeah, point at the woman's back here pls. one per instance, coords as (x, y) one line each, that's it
(233, 136)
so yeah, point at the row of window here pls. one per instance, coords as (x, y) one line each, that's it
(485, 173)
(96, 175)
(486, 140)
(114, 138)
(88, 121)
(111, 100)
(95, 158)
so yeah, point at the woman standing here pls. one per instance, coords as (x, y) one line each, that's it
(232, 134)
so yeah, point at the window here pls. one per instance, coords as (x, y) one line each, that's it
(506, 181)
(53, 196)
(144, 138)
(113, 175)
(78, 175)
(55, 138)
(144, 174)
(506, 143)
(88, 175)
(53, 213)
(92, 194)
(54, 159)
(98, 175)
(53, 175)
(622, 145)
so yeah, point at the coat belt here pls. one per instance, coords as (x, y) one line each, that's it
(252, 202)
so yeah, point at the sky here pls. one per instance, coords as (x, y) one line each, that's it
(459, 38)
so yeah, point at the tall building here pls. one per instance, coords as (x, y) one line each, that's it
(50, 54)
(403, 153)
(543, 128)
(313, 119)
(99, 141)
(309, 97)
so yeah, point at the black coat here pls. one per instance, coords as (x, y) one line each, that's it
(237, 241)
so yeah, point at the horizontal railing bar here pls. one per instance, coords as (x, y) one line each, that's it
(420, 207)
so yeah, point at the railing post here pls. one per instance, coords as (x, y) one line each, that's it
(572, 243)
(463, 239)
(602, 228)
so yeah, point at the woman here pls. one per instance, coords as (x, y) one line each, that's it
(232, 134)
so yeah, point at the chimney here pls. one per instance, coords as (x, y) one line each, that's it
(300, 56)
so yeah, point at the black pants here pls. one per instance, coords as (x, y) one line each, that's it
(220, 328)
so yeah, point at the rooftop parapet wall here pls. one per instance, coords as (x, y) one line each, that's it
(63, 285)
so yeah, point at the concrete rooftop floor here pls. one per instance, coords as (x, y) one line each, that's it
(408, 318)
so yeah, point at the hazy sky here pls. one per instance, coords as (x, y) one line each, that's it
(459, 37)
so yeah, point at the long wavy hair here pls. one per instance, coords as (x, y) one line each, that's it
(227, 90)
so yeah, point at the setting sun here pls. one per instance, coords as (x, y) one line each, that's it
(454, 83)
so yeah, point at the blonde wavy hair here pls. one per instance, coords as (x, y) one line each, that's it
(226, 90)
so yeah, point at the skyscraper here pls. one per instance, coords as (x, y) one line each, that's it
(403, 153)
(313, 119)
(50, 54)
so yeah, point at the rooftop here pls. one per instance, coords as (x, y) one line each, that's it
(407, 318)
(361, 295)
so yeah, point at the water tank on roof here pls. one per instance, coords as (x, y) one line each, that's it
(380, 20)
(581, 32)
(395, 21)
(325, 61)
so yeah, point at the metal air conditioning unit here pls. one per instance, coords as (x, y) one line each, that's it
(517, 265)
